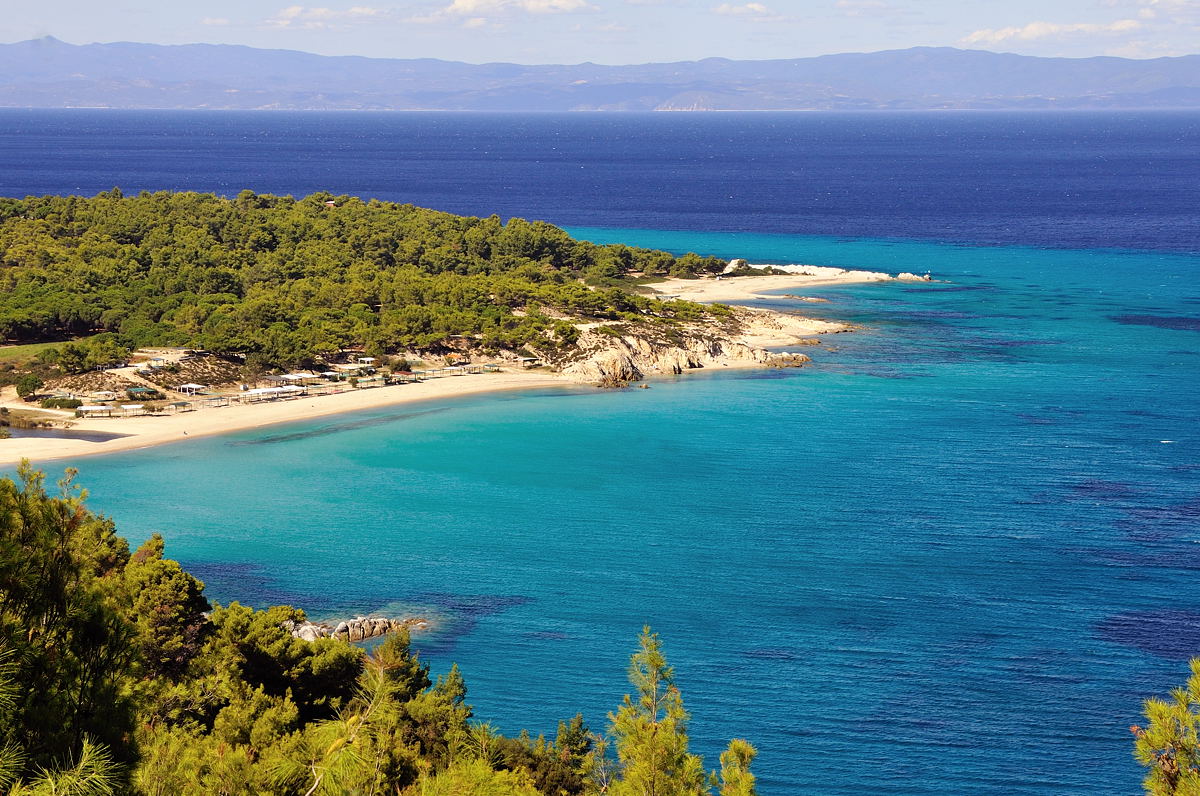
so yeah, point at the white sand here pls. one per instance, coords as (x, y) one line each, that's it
(157, 430)
(749, 288)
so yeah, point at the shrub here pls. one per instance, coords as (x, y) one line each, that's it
(60, 403)
(28, 385)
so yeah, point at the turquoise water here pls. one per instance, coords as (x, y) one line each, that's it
(952, 556)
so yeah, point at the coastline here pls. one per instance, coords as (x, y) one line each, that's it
(149, 431)
(632, 357)
(751, 288)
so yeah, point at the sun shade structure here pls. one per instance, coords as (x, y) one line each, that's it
(191, 389)
(270, 393)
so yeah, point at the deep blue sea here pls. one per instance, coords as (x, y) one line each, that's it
(952, 556)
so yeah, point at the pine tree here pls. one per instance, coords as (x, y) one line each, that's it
(1170, 745)
(651, 731)
(736, 779)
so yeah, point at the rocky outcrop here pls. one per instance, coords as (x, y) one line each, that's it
(904, 276)
(360, 628)
(617, 355)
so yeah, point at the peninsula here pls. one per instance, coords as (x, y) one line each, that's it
(137, 321)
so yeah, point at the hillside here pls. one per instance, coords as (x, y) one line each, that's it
(285, 282)
(48, 73)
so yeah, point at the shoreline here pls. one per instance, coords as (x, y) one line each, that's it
(761, 329)
(150, 431)
(753, 288)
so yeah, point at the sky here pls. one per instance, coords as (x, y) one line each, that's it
(624, 31)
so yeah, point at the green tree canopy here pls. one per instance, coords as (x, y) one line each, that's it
(288, 280)
(1169, 746)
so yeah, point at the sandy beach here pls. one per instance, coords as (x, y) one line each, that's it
(760, 330)
(749, 288)
(151, 430)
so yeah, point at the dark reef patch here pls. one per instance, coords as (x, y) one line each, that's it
(248, 584)
(1180, 322)
(462, 615)
(1157, 523)
(1099, 488)
(769, 654)
(1167, 633)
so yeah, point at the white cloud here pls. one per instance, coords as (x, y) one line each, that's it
(479, 13)
(747, 10)
(319, 18)
(484, 8)
(1047, 30)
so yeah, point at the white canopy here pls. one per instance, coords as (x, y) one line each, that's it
(262, 391)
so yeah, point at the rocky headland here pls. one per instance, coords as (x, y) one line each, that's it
(617, 354)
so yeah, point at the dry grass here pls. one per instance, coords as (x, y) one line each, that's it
(211, 371)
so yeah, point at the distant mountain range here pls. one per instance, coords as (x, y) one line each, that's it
(48, 73)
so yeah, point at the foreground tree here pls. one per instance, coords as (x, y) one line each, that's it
(736, 779)
(650, 731)
(1169, 746)
(66, 652)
